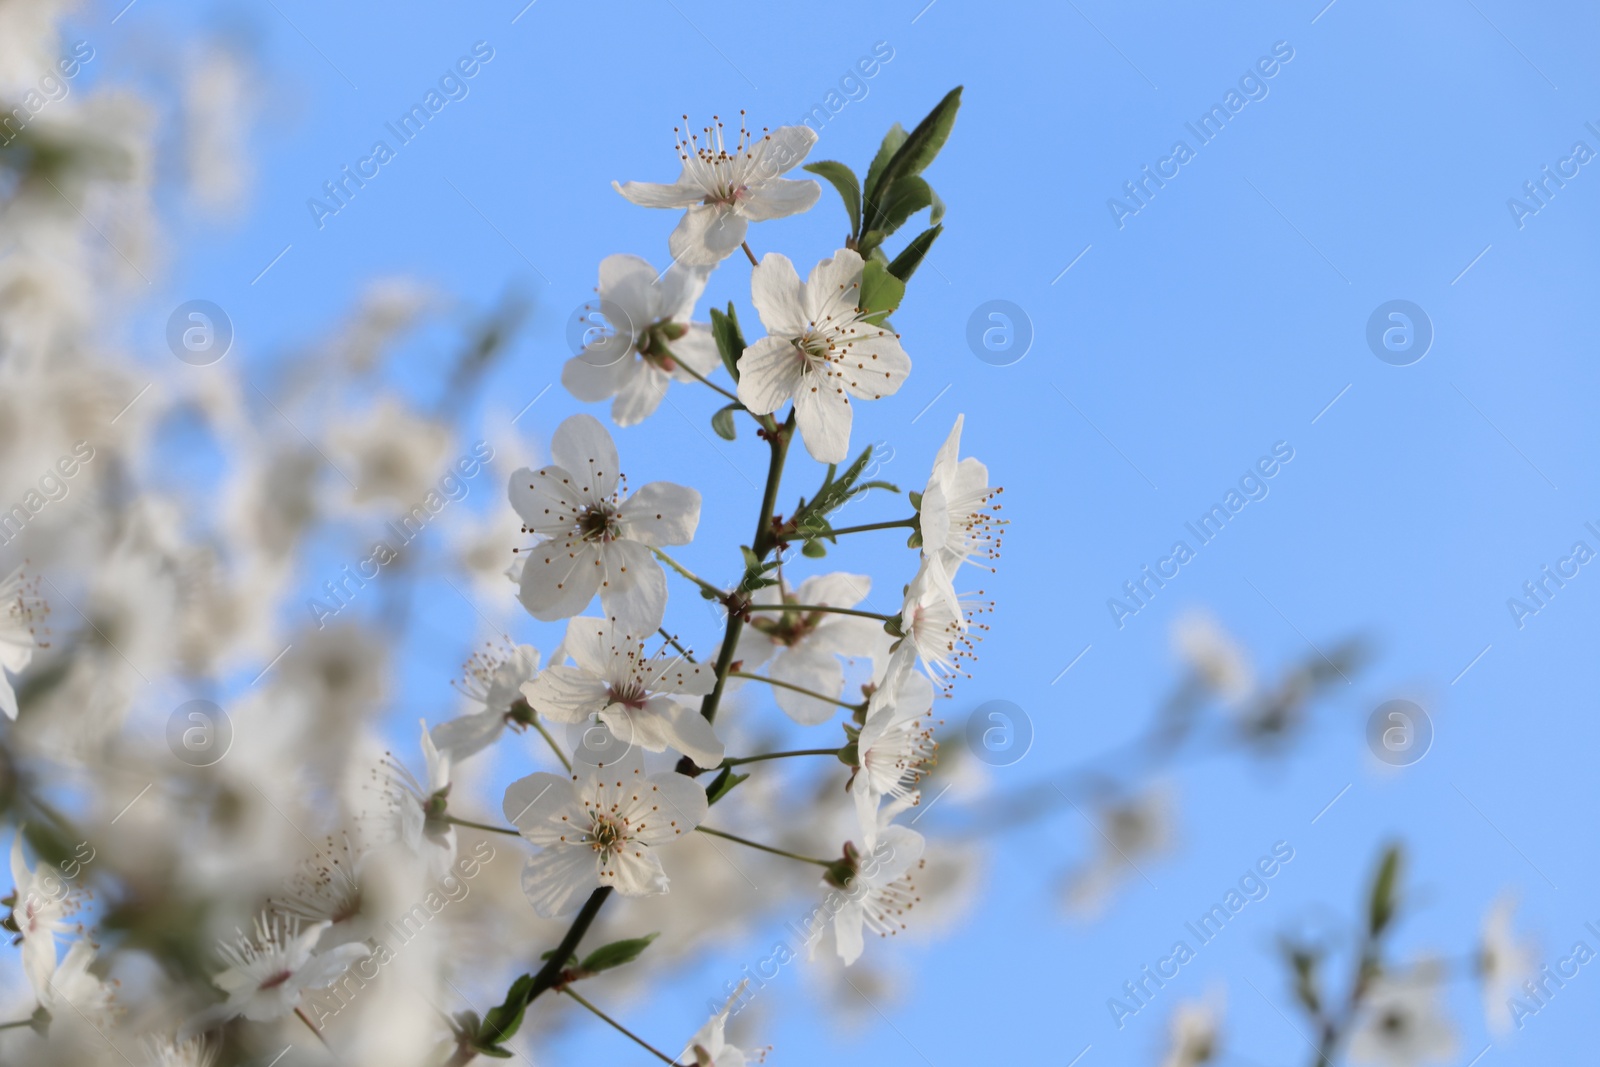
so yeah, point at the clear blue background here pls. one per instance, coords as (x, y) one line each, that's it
(1223, 318)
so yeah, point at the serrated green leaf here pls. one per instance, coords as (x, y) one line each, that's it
(1381, 902)
(911, 158)
(906, 197)
(723, 784)
(730, 341)
(844, 180)
(891, 144)
(881, 292)
(910, 258)
(616, 954)
(722, 422)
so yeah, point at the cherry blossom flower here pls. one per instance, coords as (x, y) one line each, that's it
(594, 540)
(725, 191)
(493, 679)
(652, 340)
(599, 827)
(22, 615)
(819, 350)
(1504, 962)
(615, 681)
(326, 887)
(882, 889)
(1403, 1023)
(939, 621)
(1213, 655)
(956, 510)
(410, 812)
(1130, 829)
(804, 647)
(39, 912)
(75, 993)
(709, 1046)
(194, 1052)
(267, 972)
(895, 747)
(1193, 1033)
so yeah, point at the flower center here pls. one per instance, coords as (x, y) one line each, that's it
(607, 834)
(595, 524)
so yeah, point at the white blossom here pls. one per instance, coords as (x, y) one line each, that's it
(599, 827)
(724, 191)
(269, 970)
(1403, 1024)
(820, 350)
(22, 615)
(804, 647)
(493, 679)
(956, 511)
(895, 747)
(651, 341)
(594, 539)
(612, 679)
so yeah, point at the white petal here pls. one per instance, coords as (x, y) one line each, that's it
(771, 371)
(634, 589)
(834, 287)
(640, 395)
(8, 697)
(677, 290)
(592, 645)
(707, 235)
(582, 446)
(778, 199)
(660, 513)
(823, 415)
(675, 674)
(847, 925)
(546, 500)
(634, 871)
(535, 805)
(628, 293)
(559, 578)
(655, 194)
(871, 364)
(682, 804)
(326, 967)
(836, 590)
(779, 298)
(810, 669)
(692, 735)
(557, 879)
(696, 350)
(601, 371)
(566, 694)
(779, 151)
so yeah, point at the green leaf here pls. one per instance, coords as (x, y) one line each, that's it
(723, 784)
(910, 257)
(813, 550)
(490, 1050)
(616, 954)
(844, 180)
(911, 158)
(891, 144)
(937, 214)
(503, 1020)
(1381, 905)
(722, 421)
(730, 341)
(881, 293)
(904, 198)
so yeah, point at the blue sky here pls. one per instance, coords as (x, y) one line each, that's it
(1168, 354)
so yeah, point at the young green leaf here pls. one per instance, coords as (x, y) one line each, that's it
(891, 144)
(722, 421)
(616, 954)
(911, 158)
(1381, 906)
(844, 180)
(881, 292)
(723, 784)
(905, 198)
(910, 258)
(730, 341)
(504, 1019)
(814, 550)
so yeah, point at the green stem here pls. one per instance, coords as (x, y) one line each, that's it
(909, 524)
(813, 694)
(551, 741)
(14, 1025)
(550, 973)
(623, 1030)
(736, 761)
(764, 848)
(705, 381)
(687, 573)
(481, 826)
(821, 607)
